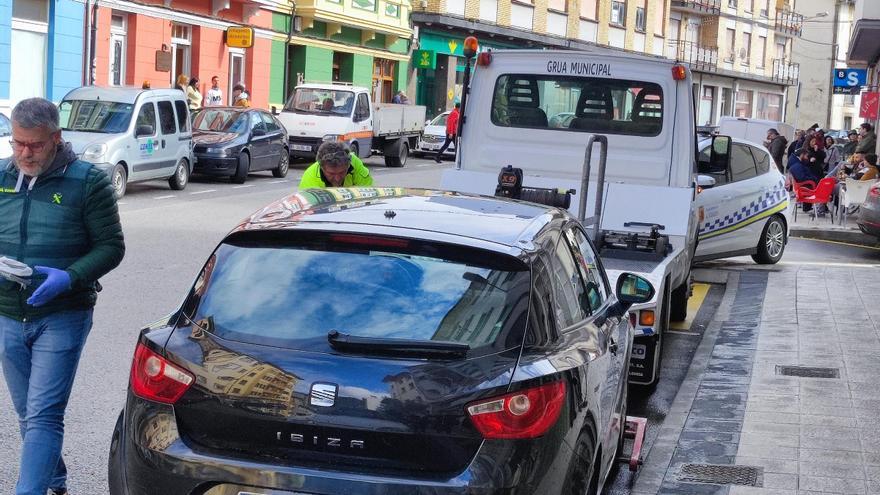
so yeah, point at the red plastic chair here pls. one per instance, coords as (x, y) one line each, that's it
(820, 195)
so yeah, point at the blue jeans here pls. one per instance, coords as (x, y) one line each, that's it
(39, 359)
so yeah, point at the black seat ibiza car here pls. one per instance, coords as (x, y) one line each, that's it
(384, 341)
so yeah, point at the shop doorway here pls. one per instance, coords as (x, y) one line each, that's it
(236, 72)
(118, 28)
(181, 41)
(383, 79)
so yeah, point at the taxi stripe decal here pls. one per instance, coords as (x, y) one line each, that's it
(748, 221)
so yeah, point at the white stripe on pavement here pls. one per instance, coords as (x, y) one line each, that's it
(205, 191)
(242, 187)
(164, 197)
(278, 181)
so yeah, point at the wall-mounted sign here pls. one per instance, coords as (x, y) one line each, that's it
(239, 37)
(163, 61)
(870, 105)
(841, 90)
(424, 59)
(850, 78)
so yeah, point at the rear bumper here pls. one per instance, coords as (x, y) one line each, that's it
(152, 459)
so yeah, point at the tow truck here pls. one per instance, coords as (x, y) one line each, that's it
(638, 112)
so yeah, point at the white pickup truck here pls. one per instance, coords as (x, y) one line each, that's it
(642, 108)
(315, 113)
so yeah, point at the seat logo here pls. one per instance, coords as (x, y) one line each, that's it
(323, 394)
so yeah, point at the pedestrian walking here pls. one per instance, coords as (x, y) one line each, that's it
(193, 96)
(451, 131)
(58, 215)
(214, 96)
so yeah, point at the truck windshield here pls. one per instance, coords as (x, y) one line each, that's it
(321, 101)
(95, 116)
(581, 104)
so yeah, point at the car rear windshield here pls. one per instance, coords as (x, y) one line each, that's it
(210, 119)
(293, 294)
(95, 116)
(581, 104)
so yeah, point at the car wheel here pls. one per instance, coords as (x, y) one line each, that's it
(243, 168)
(355, 149)
(678, 304)
(180, 179)
(771, 246)
(283, 165)
(115, 471)
(583, 477)
(119, 180)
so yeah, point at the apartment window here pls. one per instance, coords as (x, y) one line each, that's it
(659, 16)
(640, 19)
(743, 107)
(392, 10)
(763, 8)
(618, 13)
(589, 9)
(847, 123)
(780, 51)
(769, 106)
(731, 4)
(558, 5)
(849, 100)
(731, 45)
(749, 5)
(762, 46)
(365, 4)
(746, 51)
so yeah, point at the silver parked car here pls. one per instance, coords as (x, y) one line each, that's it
(132, 134)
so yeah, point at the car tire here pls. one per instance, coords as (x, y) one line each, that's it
(119, 180)
(243, 168)
(283, 165)
(678, 303)
(115, 464)
(180, 179)
(583, 477)
(771, 246)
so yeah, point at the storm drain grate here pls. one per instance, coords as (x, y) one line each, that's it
(721, 474)
(807, 372)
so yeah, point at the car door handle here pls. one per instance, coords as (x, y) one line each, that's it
(163, 143)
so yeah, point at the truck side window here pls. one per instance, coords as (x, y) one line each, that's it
(362, 110)
(166, 117)
(182, 115)
(147, 116)
(596, 290)
(742, 165)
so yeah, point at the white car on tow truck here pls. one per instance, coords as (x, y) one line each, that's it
(642, 107)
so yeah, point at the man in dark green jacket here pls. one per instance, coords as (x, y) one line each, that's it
(58, 216)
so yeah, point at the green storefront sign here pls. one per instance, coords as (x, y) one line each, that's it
(445, 44)
(424, 59)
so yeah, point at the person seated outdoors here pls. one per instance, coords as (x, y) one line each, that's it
(336, 167)
(798, 168)
(845, 168)
(868, 170)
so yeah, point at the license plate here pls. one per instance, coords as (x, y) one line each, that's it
(639, 351)
(300, 147)
(433, 147)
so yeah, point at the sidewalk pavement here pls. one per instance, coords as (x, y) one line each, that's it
(822, 228)
(803, 435)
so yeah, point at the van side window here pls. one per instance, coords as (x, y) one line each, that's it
(147, 116)
(762, 158)
(742, 165)
(166, 117)
(362, 110)
(182, 115)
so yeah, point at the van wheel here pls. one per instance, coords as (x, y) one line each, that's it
(771, 246)
(283, 165)
(119, 180)
(180, 179)
(244, 167)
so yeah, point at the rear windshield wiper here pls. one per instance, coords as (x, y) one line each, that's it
(399, 347)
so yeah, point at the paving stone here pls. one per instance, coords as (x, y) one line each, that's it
(830, 468)
(834, 485)
(770, 465)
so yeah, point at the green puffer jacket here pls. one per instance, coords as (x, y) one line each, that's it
(67, 218)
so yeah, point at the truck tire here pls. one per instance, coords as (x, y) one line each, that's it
(402, 152)
(678, 304)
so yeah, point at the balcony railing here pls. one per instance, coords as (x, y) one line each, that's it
(785, 71)
(789, 22)
(697, 56)
(704, 6)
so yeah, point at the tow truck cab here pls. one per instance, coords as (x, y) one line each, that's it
(644, 107)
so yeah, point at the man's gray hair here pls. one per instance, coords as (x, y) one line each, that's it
(334, 154)
(36, 112)
(773, 131)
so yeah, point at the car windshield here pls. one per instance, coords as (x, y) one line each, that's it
(218, 120)
(440, 119)
(95, 116)
(294, 295)
(321, 101)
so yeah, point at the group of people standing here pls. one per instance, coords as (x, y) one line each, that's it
(214, 96)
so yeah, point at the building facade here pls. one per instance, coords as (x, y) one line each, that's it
(442, 25)
(41, 45)
(740, 52)
(864, 51)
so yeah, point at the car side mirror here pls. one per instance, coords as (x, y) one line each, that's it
(144, 130)
(705, 182)
(633, 289)
(719, 158)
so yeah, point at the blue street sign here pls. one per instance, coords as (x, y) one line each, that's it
(850, 78)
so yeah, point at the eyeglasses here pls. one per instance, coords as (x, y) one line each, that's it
(34, 147)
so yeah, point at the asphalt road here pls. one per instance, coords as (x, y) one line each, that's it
(169, 234)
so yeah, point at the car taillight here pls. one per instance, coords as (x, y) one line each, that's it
(874, 191)
(524, 414)
(154, 378)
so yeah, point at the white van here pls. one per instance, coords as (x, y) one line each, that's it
(754, 130)
(133, 134)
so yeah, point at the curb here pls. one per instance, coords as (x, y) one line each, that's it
(848, 236)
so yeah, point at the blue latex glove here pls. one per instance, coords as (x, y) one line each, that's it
(57, 281)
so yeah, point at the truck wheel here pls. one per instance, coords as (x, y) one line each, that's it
(180, 179)
(400, 159)
(678, 305)
(772, 243)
